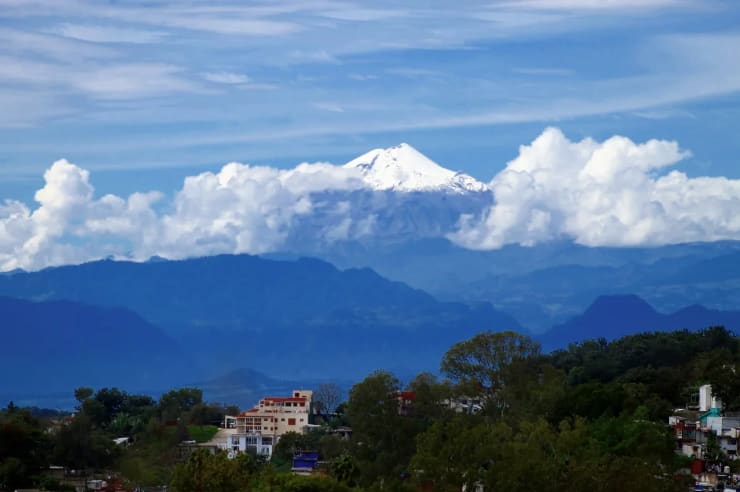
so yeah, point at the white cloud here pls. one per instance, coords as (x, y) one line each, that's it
(595, 5)
(133, 80)
(240, 209)
(226, 78)
(545, 72)
(100, 81)
(237, 80)
(107, 34)
(245, 209)
(611, 193)
(331, 107)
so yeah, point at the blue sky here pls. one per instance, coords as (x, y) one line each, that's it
(144, 93)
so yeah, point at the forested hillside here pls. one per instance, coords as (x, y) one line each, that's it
(502, 415)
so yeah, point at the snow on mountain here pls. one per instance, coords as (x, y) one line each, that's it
(403, 168)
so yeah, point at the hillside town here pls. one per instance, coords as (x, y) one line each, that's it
(503, 416)
(702, 430)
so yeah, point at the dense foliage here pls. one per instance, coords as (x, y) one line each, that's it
(591, 417)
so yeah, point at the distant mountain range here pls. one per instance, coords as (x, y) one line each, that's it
(294, 319)
(59, 345)
(612, 317)
(245, 386)
(157, 324)
(384, 288)
(547, 284)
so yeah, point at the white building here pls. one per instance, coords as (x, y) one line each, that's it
(261, 427)
(692, 433)
(707, 400)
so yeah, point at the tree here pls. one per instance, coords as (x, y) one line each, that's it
(289, 443)
(83, 393)
(489, 362)
(176, 402)
(343, 468)
(207, 472)
(80, 445)
(326, 397)
(384, 441)
(23, 448)
(455, 451)
(431, 399)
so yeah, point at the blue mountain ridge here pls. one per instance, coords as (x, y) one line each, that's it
(293, 319)
(161, 323)
(58, 345)
(612, 317)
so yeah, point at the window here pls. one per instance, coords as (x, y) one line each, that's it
(291, 421)
(282, 420)
(303, 404)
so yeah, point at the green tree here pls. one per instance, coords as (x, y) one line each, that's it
(289, 443)
(213, 472)
(382, 444)
(175, 403)
(83, 393)
(344, 468)
(490, 364)
(457, 451)
(24, 448)
(80, 445)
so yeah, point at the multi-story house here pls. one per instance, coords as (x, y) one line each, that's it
(261, 427)
(693, 428)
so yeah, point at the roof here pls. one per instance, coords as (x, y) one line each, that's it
(251, 410)
(282, 398)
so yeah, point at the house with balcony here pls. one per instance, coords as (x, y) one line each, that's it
(259, 429)
(692, 428)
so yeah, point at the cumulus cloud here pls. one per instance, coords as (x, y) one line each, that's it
(611, 193)
(240, 209)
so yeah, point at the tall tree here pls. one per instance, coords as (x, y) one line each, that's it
(326, 397)
(382, 446)
(488, 363)
(208, 472)
(23, 448)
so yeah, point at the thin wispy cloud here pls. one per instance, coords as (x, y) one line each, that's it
(199, 73)
(226, 78)
(595, 5)
(108, 34)
(555, 72)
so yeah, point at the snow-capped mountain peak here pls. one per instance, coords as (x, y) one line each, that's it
(403, 168)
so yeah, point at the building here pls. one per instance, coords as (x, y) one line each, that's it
(405, 402)
(692, 429)
(707, 400)
(261, 427)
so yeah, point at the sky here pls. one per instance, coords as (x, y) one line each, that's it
(142, 94)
